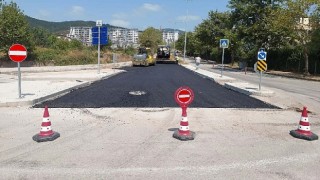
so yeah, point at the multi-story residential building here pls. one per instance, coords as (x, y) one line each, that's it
(304, 24)
(123, 37)
(133, 36)
(120, 37)
(83, 34)
(170, 36)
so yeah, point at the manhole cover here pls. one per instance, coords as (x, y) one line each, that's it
(137, 93)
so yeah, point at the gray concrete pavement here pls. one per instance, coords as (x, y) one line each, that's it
(137, 143)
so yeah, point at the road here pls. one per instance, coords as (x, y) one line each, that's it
(303, 87)
(137, 143)
(154, 87)
(290, 93)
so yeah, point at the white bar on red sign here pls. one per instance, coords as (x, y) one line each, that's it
(17, 53)
(184, 96)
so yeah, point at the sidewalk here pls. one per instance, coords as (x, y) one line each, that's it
(42, 83)
(231, 83)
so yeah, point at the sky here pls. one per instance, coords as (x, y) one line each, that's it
(141, 14)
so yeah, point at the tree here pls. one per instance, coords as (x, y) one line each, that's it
(250, 19)
(40, 37)
(191, 44)
(210, 31)
(150, 37)
(294, 19)
(13, 27)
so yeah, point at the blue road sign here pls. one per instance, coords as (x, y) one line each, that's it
(103, 35)
(262, 55)
(224, 43)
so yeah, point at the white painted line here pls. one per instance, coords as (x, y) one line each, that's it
(17, 53)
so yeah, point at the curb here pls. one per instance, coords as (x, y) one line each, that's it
(54, 95)
(241, 87)
(62, 68)
(44, 98)
(248, 90)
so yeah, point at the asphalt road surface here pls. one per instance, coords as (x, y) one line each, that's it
(153, 87)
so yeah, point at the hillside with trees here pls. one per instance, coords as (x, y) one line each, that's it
(41, 40)
(60, 27)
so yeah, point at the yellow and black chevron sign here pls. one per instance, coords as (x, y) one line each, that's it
(261, 65)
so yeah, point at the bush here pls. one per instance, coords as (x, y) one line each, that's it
(75, 57)
(45, 56)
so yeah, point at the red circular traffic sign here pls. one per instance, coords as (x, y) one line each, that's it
(184, 96)
(17, 53)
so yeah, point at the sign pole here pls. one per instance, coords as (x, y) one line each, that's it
(18, 53)
(222, 61)
(19, 81)
(260, 81)
(99, 50)
(261, 64)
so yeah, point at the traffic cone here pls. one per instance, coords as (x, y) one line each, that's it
(46, 133)
(304, 130)
(184, 133)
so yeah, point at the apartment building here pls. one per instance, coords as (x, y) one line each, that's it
(120, 37)
(170, 36)
(123, 37)
(82, 34)
(304, 24)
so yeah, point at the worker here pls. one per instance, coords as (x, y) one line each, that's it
(198, 60)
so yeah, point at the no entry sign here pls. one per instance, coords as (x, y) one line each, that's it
(184, 96)
(17, 53)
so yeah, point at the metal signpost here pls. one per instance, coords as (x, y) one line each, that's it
(224, 43)
(261, 64)
(99, 37)
(18, 53)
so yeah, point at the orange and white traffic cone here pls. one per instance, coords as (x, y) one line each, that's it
(304, 130)
(46, 133)
(184, 132)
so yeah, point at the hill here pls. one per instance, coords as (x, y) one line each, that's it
(59, 27)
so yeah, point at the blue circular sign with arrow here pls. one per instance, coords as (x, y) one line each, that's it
(262, 55)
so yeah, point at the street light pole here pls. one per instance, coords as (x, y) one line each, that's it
(174, 40)
(185, 36)
(185, 39)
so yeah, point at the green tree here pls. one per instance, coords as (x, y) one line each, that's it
(150, 37)
(250, 19)
(208, 34)
(13, 27)
(293, 21)
(40, 37)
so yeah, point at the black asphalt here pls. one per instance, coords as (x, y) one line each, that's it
(159, 84)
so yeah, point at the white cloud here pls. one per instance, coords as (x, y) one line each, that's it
(188, 18)
(44, 13)
(119, 22)
(119, 15)
(77, 11)
(151, 7)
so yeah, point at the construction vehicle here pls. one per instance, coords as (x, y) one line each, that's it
(163, 55)
(144, 57)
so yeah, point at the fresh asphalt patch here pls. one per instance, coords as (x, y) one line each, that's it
(154, 87)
